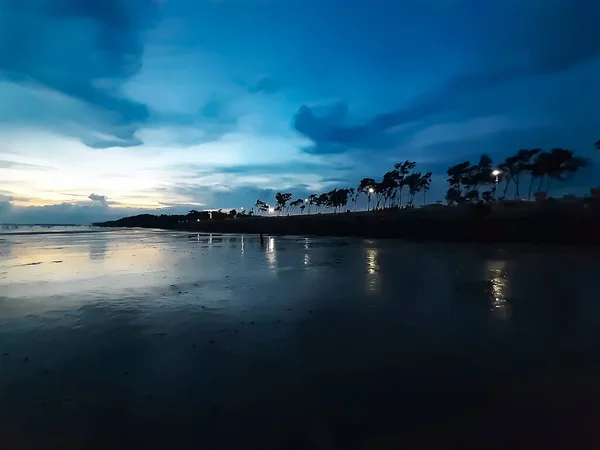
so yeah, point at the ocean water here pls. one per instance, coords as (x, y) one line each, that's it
(158, 339)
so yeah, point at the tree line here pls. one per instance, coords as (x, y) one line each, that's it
(533, 170)
(536, 166)
(387, 193)
(467, 182)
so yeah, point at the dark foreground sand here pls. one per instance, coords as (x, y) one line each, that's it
(146, 339)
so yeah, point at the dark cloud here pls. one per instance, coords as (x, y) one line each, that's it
(545, 38)
(266, 84)
(82, 48)
(331, 133)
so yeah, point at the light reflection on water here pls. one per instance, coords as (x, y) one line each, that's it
(64, 257)
(271, 252)
(306, 259)
(499, 305)
(372, 268)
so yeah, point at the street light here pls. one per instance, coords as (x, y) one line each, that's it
(496, 173)
(370, 191)
(305, 200)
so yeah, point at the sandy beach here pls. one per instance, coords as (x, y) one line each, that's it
(157, 339)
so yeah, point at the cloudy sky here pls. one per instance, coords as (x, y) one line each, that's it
(112, 107)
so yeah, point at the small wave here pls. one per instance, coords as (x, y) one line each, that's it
(30, 264)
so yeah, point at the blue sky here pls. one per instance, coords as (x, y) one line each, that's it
(113, 107)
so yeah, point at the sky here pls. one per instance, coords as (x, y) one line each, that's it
(116, 107)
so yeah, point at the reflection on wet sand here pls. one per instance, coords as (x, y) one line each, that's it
(372, 270)
(58, 263)
(98, 247)
(271, 252)
(174, 339)
(500, 307)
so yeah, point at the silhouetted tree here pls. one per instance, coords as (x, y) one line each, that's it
(339, 198)
(260, 207)
(387, 187)
(514, 166)
(282, 200)
(294, 204)
(558, 164)
(453, 196)
(401, 172)
(484, 172)
(465, 180)
(488, 196)
(425, 185)
(536, 171)
(563, 163)
(194, 215)
(322, 202)
(353, 194)
(413, 181)
(456, 176)
(233, 213)
(367, 186)
(219, 215)
(312, 200)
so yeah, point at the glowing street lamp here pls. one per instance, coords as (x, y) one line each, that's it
(370, 191)
(496, 173)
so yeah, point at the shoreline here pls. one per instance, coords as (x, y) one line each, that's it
(544, 223)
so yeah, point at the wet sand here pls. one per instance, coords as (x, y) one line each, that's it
(156, 339)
